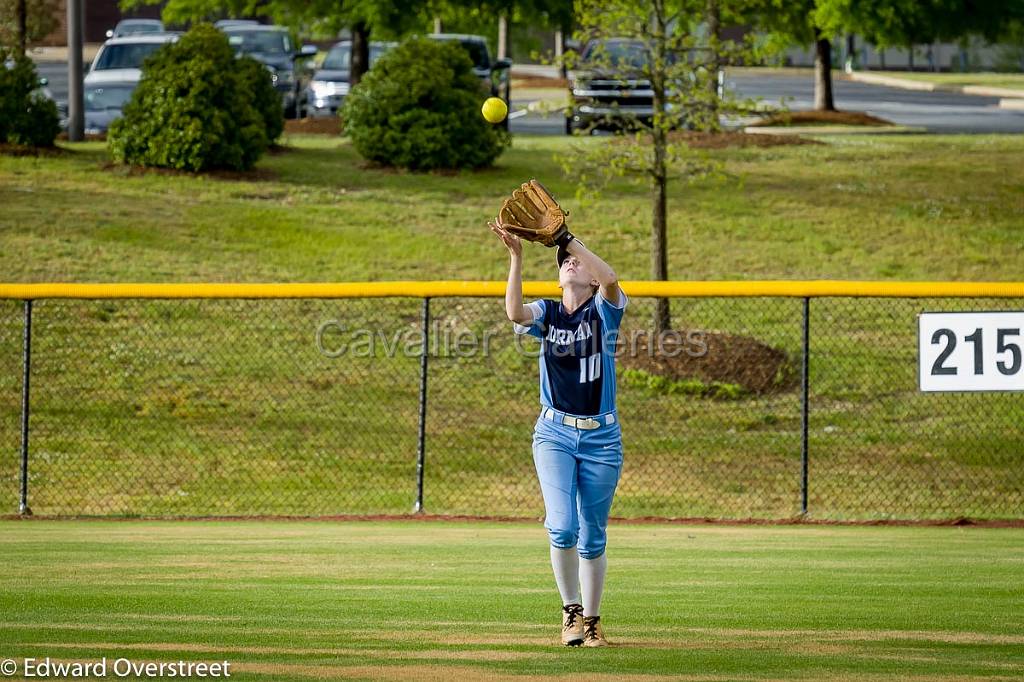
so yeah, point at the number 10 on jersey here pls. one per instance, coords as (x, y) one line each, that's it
(971, 351)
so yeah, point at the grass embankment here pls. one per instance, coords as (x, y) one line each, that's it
(207, 407)
(1011, 81)
(419, 601)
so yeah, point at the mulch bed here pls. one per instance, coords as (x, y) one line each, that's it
(314, 126)
(804, 118)
(20, 150)
(730, 358)
(725, 140)
(538, 82)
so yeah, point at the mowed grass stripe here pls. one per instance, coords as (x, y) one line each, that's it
(375, 600)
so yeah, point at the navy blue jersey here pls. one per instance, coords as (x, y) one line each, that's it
(577, 362)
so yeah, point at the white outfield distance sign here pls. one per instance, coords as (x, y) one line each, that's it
(971, 351)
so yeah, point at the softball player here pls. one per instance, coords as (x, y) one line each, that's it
(577, 440)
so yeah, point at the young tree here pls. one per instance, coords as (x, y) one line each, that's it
(663, 43)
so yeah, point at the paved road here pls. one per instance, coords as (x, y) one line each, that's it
(938, 112)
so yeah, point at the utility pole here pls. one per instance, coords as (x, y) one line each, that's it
(76, 104)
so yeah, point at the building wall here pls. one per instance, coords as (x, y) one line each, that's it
(976, 56)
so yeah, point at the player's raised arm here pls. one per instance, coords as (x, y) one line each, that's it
(602, 272)
(514, 307)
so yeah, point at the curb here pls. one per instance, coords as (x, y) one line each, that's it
(905, 84)
(1017, 104)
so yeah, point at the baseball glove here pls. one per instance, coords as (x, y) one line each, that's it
(531, 213)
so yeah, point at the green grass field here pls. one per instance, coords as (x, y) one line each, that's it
(194, 408)
(447, 601)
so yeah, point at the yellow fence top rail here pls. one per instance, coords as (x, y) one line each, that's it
(414, 289)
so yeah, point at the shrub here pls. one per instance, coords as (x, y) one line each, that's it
(264, 97)
(419, 108)
(27, 116)
(192, 110)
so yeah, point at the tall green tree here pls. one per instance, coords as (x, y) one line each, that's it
(387, 18)
(25, 21)
(884, 23)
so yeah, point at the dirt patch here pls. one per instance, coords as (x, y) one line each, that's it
(23, 150)
(88, 137)
(713, 358)
(422, 673)
(314, 126)
(725, 140)
(538, 82)
(811, 118)
(128, 170)
(447, 518)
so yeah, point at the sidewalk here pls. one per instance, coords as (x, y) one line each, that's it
(60, 54)
(1011, 99)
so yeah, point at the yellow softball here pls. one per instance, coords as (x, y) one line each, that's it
(494, 109)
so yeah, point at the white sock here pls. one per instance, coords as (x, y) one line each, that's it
(566, 564)
(592, 579)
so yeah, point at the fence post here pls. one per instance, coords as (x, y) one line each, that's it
(421, 446)
(23, 507)
(805, 381)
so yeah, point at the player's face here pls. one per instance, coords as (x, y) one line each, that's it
(574, 272)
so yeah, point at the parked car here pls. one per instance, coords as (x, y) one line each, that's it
(273, 46)
(493, 74)
(329, 86)
(44, 90)
(128, 53)
(130, 27)
(113, 75)
(614, 93)
(104, 102)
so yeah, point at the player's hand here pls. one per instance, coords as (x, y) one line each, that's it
(512, 242)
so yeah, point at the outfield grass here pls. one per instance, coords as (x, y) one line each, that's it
(205, 407)
(433, 601)
(917, 207)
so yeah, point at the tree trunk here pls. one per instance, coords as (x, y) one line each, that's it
(503, 35)
(659, 243)
(438, 28)
(823, 76)
(76, 98)
(560, 53)
(21, 16)
(659, 173)
(910, 57)
(713, 17)
(360, 57)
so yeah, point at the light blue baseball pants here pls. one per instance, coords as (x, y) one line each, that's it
(578, 471)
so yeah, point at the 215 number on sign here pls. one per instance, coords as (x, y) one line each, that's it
(971, 351)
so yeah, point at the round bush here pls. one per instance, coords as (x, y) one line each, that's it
(192, 110)
(27, 116)
(419, 108)
(264, 97)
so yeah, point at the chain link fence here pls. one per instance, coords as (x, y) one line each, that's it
(313, 407)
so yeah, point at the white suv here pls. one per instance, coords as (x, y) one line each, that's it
(113, 75)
